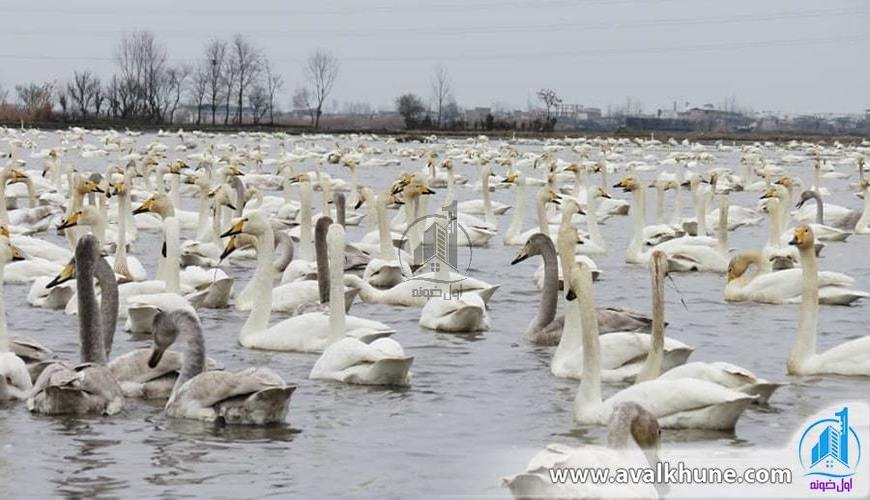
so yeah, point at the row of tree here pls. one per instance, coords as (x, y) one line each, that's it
(232, 82)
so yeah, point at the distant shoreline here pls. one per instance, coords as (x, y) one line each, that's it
(404, 135)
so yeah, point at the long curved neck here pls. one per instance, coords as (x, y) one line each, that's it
(820, 208)
(519, 214)
(323, 263)
(203, 215)
(861, 227)
(652, 367)
(701, 213)
(637, 221)
(805, 346)
(660, 205)
(542, 216)
(488, 215)
(590, 383)
(4, 335)
(306, 243)
(120, 265)
(549, 294)
(194, 355)
(784, 197)
(108, 302)
(592, 219)
(678, 201)
(448, 199)
(337, 318)
(283, 251)
(261, 310)
(91, 341)
(775, 232)
(172, 265)
(722, 228)
(384, 237)
(4, 215)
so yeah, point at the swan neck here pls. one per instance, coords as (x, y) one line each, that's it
(261, 309)
(172, 265)
(306, 244)
(337, 318)
(384, 237)
(519, 215)
(322, 258)
(108, 302)
(805, 346)
(652, 367)
(590, 383)
(91, 342)
(722, 228)
(637, 219)
(820, 209)
(194, 354)
(549, 294)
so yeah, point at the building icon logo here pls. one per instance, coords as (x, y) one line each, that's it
(830, 447)
(433, 241)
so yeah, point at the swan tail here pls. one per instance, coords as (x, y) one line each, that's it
(391, 371)
(763, 391)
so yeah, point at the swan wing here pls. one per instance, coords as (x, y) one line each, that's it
(210, 388)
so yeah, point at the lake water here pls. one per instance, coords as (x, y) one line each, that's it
(479, 405)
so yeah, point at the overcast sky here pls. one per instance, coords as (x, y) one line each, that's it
(786, 55)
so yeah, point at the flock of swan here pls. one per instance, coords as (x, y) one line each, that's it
(266, 201)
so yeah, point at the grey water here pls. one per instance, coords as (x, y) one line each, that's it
(480, 405)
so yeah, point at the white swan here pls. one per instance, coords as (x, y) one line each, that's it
(349, 360)
(632, 441)
(15, 382)
(783, 286)
(684, 403)
(623, 352)
(849, 358)
(307, 332)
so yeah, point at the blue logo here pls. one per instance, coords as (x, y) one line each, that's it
(830, 447)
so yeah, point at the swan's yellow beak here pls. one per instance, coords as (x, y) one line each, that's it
(18, 176)
(119, 187)
(4, 230)
(626, 184)
(146, 206)
(230, 247)
(510, 179)
(92, 187)
(237, 228)
(770, 193)
(66, 274)
(70, 220)
(803, 236)
(17, 254)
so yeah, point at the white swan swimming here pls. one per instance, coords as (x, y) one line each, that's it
(684, 403)
(15, 381)
(307, 332)
(632, 441)
(848, 358)
(349, 360)
(623, 352)
(783, 286)
(253, 396)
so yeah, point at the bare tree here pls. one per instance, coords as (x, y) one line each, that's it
(442, 92)
(63, 102)
(229, 76)
(274, 83)
(37, 99)
(248, 61)
(550, 100)
(258, 101)
(99, 98)
(321, 70)
(176, 84)
(213, 70)
(83, 88)
(199, 88)
(142, 63)
(303, 100)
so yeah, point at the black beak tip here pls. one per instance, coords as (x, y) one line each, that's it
(53, 283)
(570, 295)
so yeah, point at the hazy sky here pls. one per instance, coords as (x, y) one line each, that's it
(787, 55)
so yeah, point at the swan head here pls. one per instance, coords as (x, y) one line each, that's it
(299, 178)
(803, 238)
(511, 178)
(176, 167)
(628, 184)
(786, 182)
(738, 264)
(89, 215)
(547, 195)
(570, 206)
(806, 196)
(165, 331)
(157, 203)
(221, 197)
(574, 168)
(534, 246)
(256, 223)
(9, 252)
(118, 188)
(631, 420)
